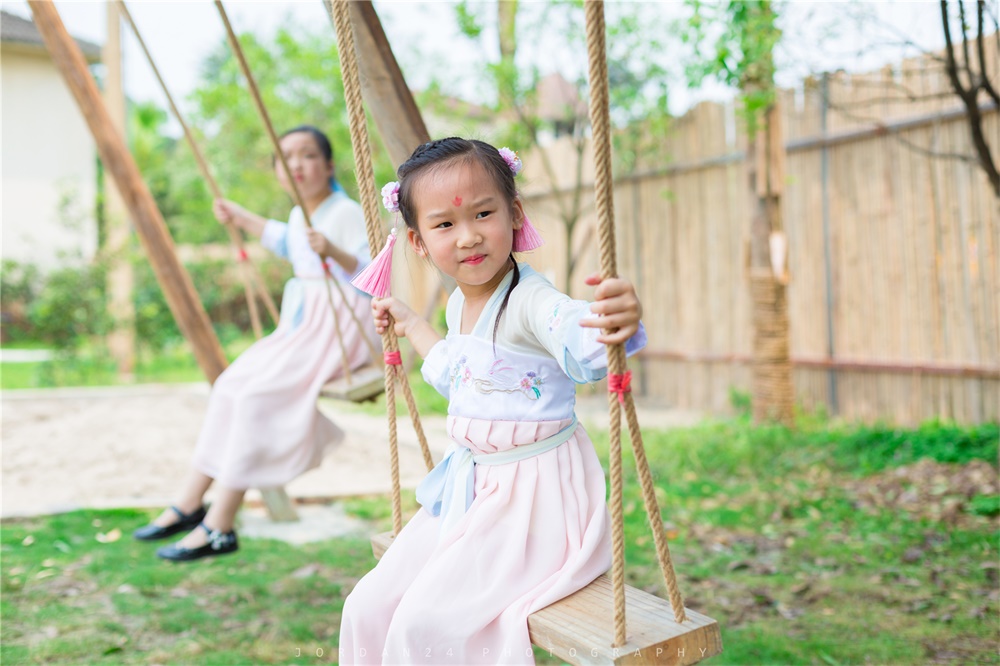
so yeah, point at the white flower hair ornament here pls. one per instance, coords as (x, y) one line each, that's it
(512, 160)
(390, 197)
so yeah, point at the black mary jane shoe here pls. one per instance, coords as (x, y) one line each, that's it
(219, 543)
(185, 523)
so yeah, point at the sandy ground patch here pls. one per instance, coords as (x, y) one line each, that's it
(132, 446)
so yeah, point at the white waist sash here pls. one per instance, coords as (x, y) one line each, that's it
(449, 488)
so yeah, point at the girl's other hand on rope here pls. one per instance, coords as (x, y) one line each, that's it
(318, 242)
(225, 211)
(617, 307)
(402, 315)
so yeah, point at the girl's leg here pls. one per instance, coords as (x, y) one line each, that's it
(221, 516)
(190, 499)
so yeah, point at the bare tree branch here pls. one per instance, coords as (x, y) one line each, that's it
(969, 97)
(985, 80)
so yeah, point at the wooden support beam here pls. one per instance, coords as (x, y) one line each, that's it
(174, 280)
(120, 281)
(383, 87)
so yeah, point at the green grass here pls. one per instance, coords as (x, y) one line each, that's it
(766, 537)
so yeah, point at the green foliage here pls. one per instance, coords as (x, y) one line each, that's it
(19, 284)
(872, 448)
(985, 505)
(467, 21)
(741, 402)
(743, 36)
(70, 307)
(220, 291)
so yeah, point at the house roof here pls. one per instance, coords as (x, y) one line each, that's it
(558, 99)
(15, 29)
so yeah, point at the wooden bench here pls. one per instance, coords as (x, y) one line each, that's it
(580, 627)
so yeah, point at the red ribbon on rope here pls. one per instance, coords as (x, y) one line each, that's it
(393, 358)
(620, 384)
(241, 255)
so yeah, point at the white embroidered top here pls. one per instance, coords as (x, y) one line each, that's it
(540, 351)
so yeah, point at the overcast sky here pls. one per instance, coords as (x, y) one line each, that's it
(180, 35)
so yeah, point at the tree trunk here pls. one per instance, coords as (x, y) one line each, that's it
(771, 380)
(120, 280)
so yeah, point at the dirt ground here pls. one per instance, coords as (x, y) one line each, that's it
(131, 446)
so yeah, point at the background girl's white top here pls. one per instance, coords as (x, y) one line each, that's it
(342, 221)
(540, 351)
(339, 218)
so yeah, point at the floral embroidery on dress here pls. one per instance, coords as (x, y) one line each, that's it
(530, 382)
(498, 380)
(555, 319)
(462, 374)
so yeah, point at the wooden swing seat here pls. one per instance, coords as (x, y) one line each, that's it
(579, 629)
(366, 384)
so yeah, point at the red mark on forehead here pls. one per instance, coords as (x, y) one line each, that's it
(457, 201)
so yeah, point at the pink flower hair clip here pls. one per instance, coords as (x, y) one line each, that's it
(390, 196)
(512, 160)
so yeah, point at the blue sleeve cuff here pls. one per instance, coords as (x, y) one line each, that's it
(436, 369)
(275, 238)
(584, 359)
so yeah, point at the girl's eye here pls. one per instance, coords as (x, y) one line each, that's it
(443, 225)
(483, 214)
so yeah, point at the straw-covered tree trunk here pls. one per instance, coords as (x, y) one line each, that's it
(743, 56)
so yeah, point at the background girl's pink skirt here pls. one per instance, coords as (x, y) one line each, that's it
(263, 428)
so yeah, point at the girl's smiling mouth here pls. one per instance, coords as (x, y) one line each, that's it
(474, 259)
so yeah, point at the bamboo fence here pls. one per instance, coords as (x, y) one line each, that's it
(894, 297)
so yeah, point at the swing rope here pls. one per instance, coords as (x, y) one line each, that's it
(340, 14)
(619, 392)
(266, 119)
(250, 276)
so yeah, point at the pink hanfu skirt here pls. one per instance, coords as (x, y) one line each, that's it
(537, 531)
(263, 428)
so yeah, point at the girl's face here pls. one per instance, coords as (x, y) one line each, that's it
(464, 224)
(307, 164)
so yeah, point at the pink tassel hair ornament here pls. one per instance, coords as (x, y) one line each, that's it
(376, 278)
(527, 237)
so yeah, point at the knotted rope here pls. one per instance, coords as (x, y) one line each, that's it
(617, 395)
(249, 274)
(340, 13)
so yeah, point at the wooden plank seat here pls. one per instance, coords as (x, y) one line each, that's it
(580, 627)
(366, 384)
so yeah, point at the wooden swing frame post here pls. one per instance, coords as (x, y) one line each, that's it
(152, 230)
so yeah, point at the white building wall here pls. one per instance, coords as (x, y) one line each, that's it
(48, 168)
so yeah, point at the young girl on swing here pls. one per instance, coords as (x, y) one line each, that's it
(514, 518)
(263, 428)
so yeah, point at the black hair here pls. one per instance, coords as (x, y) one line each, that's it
(438, 153)
(322, 141)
